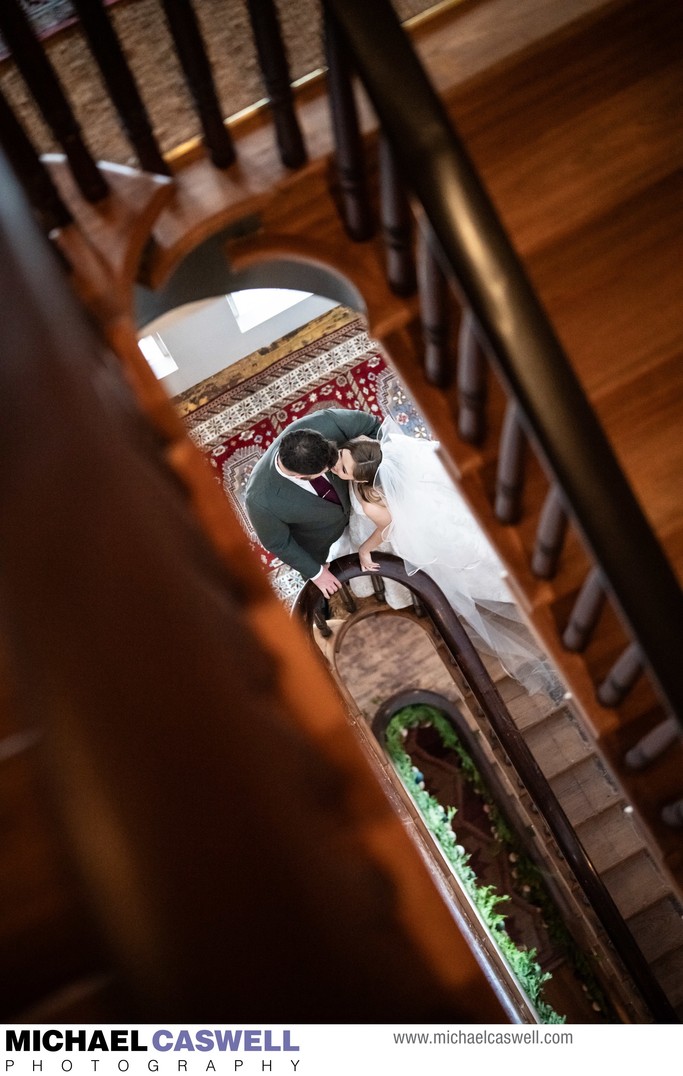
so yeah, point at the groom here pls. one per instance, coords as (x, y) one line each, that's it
(297, 508)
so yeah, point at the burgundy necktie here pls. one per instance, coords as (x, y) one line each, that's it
(325, 489)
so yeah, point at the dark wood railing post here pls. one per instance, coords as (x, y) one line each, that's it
(118, 77)
(439, 361)
(652, 745)
(378, 587)
(272, 56)
(585, 612)
(672, 814)
(550, 535)
(511, 459)
(472, 382)
(40, 77)
(30, 170)
(621, 677)
(349, 149)
(397, 224)
(187, 37)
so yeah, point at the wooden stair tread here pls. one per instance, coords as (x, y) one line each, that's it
(635, 884)
(659, 930)
(558, 743)
(668, 971)
(585, 790)
(609, 837)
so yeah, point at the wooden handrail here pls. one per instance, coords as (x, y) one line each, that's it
(459, 645)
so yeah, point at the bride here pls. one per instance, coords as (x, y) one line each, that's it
(403, 501)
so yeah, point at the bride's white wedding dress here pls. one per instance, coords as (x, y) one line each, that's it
(433, 529)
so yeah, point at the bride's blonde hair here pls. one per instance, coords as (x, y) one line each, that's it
(367, 456)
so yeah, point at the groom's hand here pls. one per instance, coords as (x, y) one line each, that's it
(327, 582)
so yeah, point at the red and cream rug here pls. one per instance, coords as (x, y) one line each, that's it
(337, 365)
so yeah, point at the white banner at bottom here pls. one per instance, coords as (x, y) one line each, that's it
(331, 1049)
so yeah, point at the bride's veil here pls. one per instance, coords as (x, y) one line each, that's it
(433, 529)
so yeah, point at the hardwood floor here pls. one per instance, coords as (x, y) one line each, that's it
(580, 147)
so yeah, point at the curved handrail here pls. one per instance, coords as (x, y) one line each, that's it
(309, 602)
(476, 251)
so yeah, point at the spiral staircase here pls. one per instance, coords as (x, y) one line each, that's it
(570, 115)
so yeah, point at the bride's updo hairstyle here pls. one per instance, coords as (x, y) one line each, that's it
(366, 456)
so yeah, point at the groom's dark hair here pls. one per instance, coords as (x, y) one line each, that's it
(307, 452)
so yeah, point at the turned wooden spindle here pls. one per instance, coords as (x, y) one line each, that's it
(49, 96)
(270, 47)
(472, 382)
(191, 51)
(349, 150)
(511, 459)
(30, 170)
(550, 535)
(585, 612)
(105, 46)
(397, 224)
(439, 361)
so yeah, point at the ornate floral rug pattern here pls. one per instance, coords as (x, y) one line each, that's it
(342, 368)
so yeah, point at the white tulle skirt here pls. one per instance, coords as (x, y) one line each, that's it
(433, 529)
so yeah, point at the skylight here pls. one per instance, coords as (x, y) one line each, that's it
(256, 305)
(158, 356)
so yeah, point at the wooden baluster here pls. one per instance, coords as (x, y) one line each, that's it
(321, 623)
(472, 382)
(348, 599)
(187, 37)
(40, 77)
(350, 153)
(550, 535)
(418, 607)
(510, 480)
(118, 77)
(653, 744)
(31, 172)
(439, 364)
(621, 677)
(672, 814)
(585, 613)
(272, 56)
(378, 587)
(397, 221)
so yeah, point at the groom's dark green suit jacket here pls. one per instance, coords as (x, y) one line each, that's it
(297, 526)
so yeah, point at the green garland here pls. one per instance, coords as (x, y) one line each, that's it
(526, 969)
